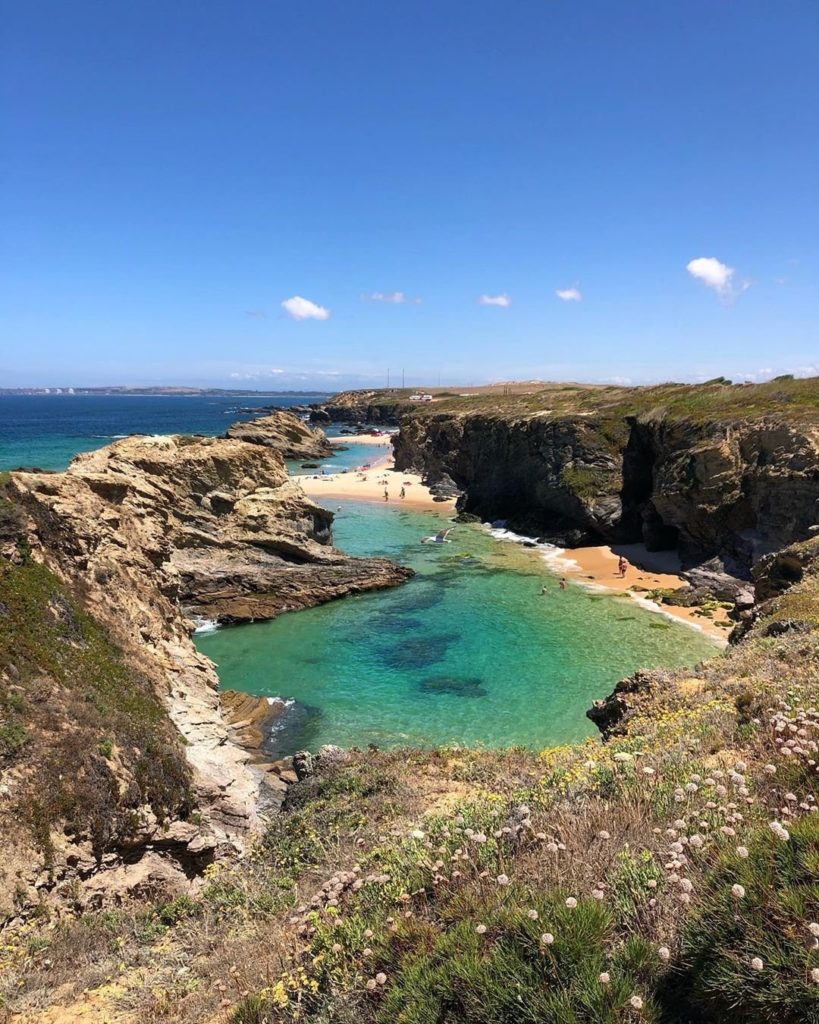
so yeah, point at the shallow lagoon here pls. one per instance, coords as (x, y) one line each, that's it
(468, 651)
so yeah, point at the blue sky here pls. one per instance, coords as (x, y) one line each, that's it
(174, 172)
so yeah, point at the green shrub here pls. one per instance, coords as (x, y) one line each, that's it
(48, 644)
(725, 934)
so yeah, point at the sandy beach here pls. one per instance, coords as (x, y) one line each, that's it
(647, 570)
(370, 484)
(591, 566)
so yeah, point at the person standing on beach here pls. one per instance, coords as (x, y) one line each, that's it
(622, 565)
(403, 493)
(386, 494)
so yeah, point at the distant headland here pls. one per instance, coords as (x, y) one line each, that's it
(158, 390)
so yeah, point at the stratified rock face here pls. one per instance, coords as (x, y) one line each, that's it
(148, 523)
(733, 489)
(286, 433)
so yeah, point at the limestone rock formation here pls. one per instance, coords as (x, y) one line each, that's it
(286, 432)
(151, 529)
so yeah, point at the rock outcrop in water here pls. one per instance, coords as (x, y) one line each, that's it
(655, 465)
(149, 530)
(286, 433)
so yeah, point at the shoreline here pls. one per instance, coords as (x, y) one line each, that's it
(368, 484)
(647, 570)
(594, 567)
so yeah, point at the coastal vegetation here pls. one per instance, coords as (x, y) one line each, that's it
(87, 737)
(710, 401)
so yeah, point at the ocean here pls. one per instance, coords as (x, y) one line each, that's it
(46, 431)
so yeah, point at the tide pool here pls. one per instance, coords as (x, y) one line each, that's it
(468, 651)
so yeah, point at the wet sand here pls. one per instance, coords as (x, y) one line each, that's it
(647, 570)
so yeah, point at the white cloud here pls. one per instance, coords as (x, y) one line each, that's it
(256, 374)
(569, 294)
(396, 297)
(717, 276)
(757, 376)
(304, 309)
(495, 300)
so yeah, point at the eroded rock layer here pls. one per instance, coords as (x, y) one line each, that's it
(285, 432)
(151, 528)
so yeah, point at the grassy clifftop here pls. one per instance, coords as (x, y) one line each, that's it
(714, 400)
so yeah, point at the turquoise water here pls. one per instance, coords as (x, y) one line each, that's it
(468, 651)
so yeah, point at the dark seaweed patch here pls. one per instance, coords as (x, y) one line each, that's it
(464, 687)
(419, 651)
(419, 598)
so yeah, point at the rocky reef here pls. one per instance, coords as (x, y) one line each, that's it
(717, 472)
(134, 539)
(286, 433)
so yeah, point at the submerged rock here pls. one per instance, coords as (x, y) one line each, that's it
(471, 686)
(417, 652)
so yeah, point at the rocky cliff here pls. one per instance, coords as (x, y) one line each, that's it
(676, 468)
(285, 432)
(134, 538)
(378, 407)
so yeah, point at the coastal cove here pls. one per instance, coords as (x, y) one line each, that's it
(467, 652)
